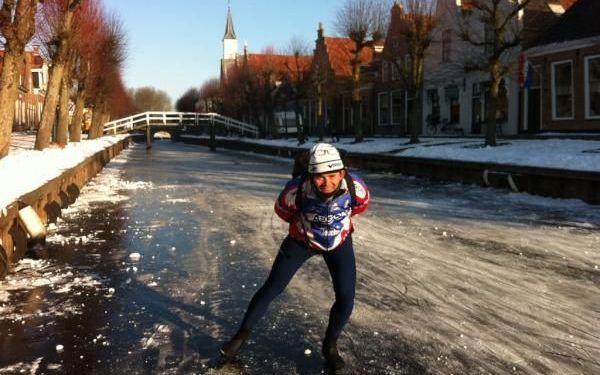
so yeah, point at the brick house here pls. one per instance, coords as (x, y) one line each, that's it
(331, 93)
(33, 79)
(563, 85)
(284, 78)
(391, 102)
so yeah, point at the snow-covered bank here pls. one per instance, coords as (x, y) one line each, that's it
(568, 154)
(25, 170)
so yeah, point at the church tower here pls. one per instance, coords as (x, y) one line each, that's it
(230, 47)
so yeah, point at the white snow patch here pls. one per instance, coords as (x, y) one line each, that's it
(22, 368)
(47, 164)
(29, 275)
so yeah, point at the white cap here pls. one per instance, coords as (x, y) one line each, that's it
(324, 158)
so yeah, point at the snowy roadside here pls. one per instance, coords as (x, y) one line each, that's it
(568, 154)
(25, 170)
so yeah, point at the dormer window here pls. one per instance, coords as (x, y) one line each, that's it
(446, 45)
(36, 80)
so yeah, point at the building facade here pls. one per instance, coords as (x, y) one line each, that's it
(31, 90)
(562, 74)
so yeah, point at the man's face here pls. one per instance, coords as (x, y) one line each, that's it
(327, 183)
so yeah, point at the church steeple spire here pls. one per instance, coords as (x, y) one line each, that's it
(229, 31)
(230, 46)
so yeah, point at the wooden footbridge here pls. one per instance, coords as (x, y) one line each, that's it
(198, 123)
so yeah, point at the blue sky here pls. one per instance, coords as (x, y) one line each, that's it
(174, 45)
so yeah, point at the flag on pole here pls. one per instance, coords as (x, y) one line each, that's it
(525, 72)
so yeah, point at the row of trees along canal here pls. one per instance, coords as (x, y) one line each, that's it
(248, 93)
(86, 49)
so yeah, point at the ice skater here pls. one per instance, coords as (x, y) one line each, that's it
(318, 205)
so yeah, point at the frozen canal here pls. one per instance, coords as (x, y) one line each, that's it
(152, 268)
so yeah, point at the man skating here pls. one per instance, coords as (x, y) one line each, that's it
(318, 205)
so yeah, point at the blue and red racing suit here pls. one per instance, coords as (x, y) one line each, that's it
(324, 225)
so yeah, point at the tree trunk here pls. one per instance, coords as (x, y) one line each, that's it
(299, 125)
(490, 134)
(59, 61)
(8, 96)
(76, 123)
(320, 118)
(415, 115)
(63, 112)
(17, 25)
(358, 126)
(96, 129)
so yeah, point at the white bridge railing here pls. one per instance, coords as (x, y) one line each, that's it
(143, 120)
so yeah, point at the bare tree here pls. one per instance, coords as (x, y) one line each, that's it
(363, 21)
(299, 49)
(88, 39)
(17, 26)
(492, 28)
(58, 16)
(106, 71)
(417, 22)
(187, 102)
(209, 96)
(150, 99)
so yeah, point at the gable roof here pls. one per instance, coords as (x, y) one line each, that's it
(580, 21)
(340, 55)
(279, 64)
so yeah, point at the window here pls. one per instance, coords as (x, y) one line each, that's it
(592, 86)
(434, 101)
(396, 107)
(384, 71)
(395, 71)
(452, 98)
(35, 80)
(384, 108)
(446, 45)
(488, 35)
(562, 90)
(347, 114)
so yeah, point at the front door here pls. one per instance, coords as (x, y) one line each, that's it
(534, 110)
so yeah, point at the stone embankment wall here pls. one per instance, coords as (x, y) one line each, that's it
(547, 182)
(47, 201)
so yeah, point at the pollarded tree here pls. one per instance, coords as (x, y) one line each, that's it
(363, 21)
(57, 18)
(493, 30)
(299, 49)
(417, 23)
(17, 26)
(106, 72)
(87, 39)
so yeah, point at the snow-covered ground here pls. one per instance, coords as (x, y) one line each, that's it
(25, 169)
(570, 154)
(452, 279)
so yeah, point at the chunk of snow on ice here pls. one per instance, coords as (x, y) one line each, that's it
(60, 348)
(307, 352)
(232, 242)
